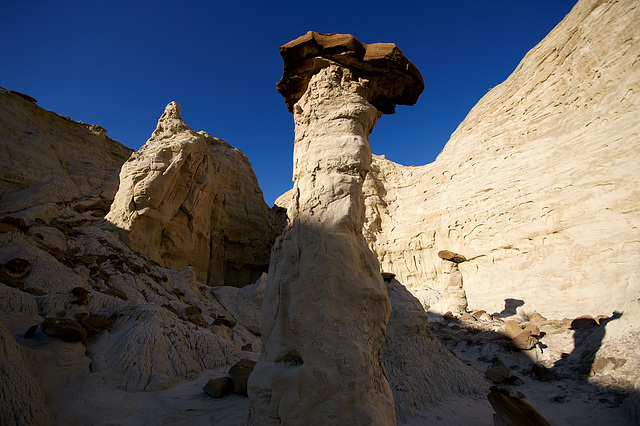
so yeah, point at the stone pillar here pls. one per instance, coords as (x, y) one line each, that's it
(455, 298)
(326, 307)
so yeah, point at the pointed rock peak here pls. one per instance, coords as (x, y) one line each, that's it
(171, 122)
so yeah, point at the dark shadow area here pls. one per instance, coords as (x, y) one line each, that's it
(587, 337)
(510, 307)
(479, 346)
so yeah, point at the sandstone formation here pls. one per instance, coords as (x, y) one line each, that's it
(537, 186)
(85, 321)
(454, 297)
(189, 199)
(392, 77)
(326, 307)
(51, 165)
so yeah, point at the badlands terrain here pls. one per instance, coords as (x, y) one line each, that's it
(497, 285)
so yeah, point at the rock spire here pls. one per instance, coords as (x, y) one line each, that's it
(189, 199)
(326, 307)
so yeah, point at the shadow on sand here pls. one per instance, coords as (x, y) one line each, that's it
(566, 395)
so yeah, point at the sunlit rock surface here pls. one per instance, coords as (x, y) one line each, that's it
(189, 199)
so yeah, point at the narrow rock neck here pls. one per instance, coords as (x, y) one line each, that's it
(332, 155)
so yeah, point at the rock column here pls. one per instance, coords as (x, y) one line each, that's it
(326, 307)
(455, 298)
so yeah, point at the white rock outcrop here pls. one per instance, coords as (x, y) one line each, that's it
(51, 165)
(189, 199)
(326, 307)
(538, 186)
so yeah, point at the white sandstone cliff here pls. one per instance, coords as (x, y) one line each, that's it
(538, 186)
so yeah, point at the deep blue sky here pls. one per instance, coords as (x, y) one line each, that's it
(118, 63)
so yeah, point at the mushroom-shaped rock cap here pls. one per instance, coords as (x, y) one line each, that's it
(452, 256)
(394, 78)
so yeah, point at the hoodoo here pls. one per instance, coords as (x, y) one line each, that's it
(326, 307)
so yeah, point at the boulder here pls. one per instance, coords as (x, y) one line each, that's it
(498, 372)
(513, 410)
(240, 373)
(65, 329)
(218, 387)
(541, 373)
(524, 341)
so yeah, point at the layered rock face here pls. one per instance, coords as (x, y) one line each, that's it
(326, 307)
(538, 186)
(189, 199)
(43, 178)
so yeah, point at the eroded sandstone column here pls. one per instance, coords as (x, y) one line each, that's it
(326, 307)
(455, 298)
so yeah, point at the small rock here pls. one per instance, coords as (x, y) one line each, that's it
(532, 329)
(498, 372)
(536, 317)
(248, 347)
(10, 280)
(35, 291)
(559, 398)
(65, 329)
(178, 292)
(512, 410)
(218, 387)
(449, 315)
(192, 310)
(478, 314)
(96, 324)
(512, 329)
(9, 224)
(118, 293)
(17, 266)
(466, 318)
(524, 341)
(541, 373)
(514, 381)
(82, 295)
(87, 260)
(31, 332)
(240, 374)
(222, 320)
(198, 319)
(170, 308)
(449, 255)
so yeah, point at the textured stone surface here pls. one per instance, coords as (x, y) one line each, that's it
(388, 76)
(538, 186)
(240, 373)
(49, 163)
(21, 399)
(422, 373)
(326, 306)
(513, 410)
(65, 329)
(218, 387)
(188, 199)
